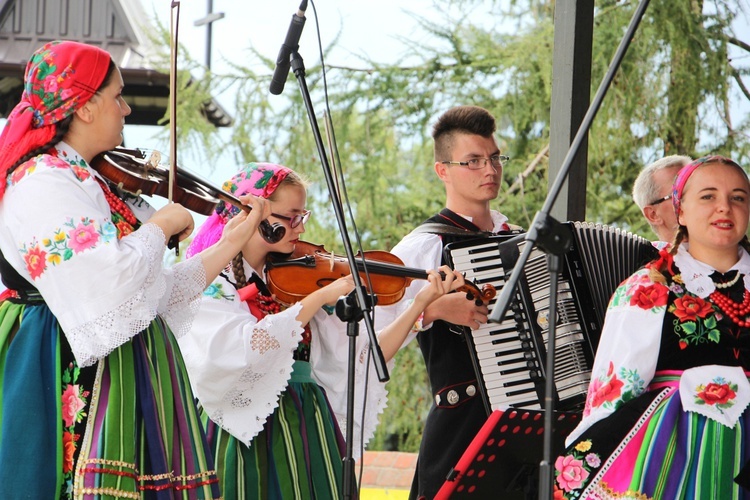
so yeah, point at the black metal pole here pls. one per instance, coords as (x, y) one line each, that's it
(554, 263)
(503, 301)
(364, 304)
(544, 226)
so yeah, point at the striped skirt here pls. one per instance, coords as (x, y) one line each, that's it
(651, 448)
(125, 428)
(297, 455)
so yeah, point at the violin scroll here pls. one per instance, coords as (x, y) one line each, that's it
(479, 296)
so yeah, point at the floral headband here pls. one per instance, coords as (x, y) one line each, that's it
(685, 172)
(60, 78)
(258, 179)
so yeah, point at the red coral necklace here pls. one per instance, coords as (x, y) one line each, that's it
(734, 310)
(118, 206)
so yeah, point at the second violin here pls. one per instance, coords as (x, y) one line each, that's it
(311, 267)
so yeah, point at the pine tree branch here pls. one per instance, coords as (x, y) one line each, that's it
(738, 78)
(529, 170)
(739, 43)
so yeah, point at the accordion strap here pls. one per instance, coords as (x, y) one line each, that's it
(438, 228)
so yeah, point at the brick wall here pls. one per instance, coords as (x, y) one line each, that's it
(388, 469)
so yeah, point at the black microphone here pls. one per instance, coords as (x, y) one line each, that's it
(291, 44)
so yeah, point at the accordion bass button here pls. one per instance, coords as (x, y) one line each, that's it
(452, 397)
(471, 390)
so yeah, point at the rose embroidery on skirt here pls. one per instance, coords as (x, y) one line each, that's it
(719, 393)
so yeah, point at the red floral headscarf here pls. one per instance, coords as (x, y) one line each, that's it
(60, 78)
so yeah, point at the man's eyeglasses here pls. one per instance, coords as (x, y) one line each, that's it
(295, 220)
(479, 163)
(660, 200)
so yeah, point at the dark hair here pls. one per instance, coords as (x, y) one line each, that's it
(61, 127)
(471, 120)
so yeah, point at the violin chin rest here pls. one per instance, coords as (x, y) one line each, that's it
(272, 233)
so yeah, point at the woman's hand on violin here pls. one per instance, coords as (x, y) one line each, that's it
(392, 337)
(173, 219)
(236, 233)
(439, 286)
(328, 295)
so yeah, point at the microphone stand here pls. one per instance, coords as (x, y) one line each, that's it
(347, 309)
(547, 233)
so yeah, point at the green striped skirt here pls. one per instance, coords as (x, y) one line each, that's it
(297, 455)
(127, 427)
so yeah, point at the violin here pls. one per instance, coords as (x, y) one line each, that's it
(136, 172)
(311, 267)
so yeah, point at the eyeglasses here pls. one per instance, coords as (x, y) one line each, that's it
(479, 163)
(660, 200)
(295, 220)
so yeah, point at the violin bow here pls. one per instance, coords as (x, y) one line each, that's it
(174, 24)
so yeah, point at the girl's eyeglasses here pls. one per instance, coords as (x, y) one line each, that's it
(295, 220)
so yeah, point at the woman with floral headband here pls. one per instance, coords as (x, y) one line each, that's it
(95, 399)
(273, 379)
(665, 416)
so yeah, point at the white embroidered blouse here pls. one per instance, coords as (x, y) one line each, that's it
(56, 231)
(628, 351)
(239, 366)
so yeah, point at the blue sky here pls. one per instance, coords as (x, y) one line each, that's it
(367, 29)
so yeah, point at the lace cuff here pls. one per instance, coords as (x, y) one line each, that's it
(185, 282)
(95, 339)
(243, 409)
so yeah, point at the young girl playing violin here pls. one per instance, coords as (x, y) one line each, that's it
(273, 380)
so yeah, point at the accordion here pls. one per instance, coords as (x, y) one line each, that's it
(510, 356)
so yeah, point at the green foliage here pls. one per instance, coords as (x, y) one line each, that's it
(673, 93)
(409, 398)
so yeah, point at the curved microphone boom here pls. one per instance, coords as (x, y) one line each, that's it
(290, 45)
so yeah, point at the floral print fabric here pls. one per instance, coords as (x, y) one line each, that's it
(60, 77)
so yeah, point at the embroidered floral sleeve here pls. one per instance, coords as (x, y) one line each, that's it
(628, 349)
(238, 365)
(56, 231)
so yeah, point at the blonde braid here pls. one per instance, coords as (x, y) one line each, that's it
(238, 268)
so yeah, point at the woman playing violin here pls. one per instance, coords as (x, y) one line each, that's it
(273, 380)
(95, 399)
